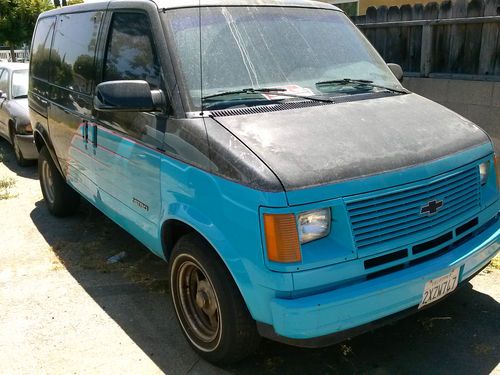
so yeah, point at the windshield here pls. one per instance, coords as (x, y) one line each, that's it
(279, 47)
(19, 84)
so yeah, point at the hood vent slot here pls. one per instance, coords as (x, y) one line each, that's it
(267, 108)
(298, 104)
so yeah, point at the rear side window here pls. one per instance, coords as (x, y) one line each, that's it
(130, 53)
(73, 51)
(40, 48)
(4, 81)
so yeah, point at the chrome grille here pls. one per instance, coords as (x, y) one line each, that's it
(394, 215)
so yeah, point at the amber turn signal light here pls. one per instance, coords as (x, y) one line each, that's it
(282, 238)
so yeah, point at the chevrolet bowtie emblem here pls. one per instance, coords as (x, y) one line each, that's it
(431, 208)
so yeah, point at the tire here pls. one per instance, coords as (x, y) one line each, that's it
(20, 160)
(209, 307)
(60, 198)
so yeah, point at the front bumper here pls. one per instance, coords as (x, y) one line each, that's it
(27, 145)
(345, 309)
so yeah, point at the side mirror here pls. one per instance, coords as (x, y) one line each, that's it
(396, 70)
(3, 95)
(128, 96)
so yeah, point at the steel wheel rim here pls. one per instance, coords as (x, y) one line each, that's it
(198, 302)
(48, 181)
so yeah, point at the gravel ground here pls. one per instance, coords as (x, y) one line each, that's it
(64, 310)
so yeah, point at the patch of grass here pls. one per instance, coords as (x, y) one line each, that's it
(495, 263)
(483, 349)
(92, 255)
(6, 184)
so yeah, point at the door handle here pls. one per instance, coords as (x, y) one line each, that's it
(85, 132)
(94, 135)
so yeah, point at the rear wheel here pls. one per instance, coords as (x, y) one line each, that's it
(209, 307)
(60, 198)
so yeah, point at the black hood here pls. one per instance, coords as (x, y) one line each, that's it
(321, 145)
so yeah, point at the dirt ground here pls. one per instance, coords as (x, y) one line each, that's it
(64, 310)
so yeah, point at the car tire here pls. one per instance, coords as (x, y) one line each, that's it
(209, 307)
(60, 198)
(20, 160)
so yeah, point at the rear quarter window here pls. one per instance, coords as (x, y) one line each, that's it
(73, 51)
(40, 48)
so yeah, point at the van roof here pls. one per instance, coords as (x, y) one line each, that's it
(171, 4)
(166, 4)
(14, 65)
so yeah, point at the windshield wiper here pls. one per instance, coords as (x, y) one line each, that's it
(21, 96)
(266, 90)
(362, 82)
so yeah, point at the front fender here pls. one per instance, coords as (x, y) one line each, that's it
(226, 214)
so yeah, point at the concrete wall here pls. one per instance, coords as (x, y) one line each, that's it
(479, 101)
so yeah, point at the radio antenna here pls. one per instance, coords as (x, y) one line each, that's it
(201, 58)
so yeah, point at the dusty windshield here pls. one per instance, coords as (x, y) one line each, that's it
(281, 51)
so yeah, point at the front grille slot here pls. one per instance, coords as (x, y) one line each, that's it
(433, 255)
(464, 228)
(387, 271)
(432, 243)
(384, 259)
(393, 215)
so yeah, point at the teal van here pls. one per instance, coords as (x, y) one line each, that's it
(264, 149)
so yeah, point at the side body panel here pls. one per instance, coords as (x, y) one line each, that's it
(128, 184)
(72, 76)
(68, 125)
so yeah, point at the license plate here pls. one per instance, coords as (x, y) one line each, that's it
(437, 288)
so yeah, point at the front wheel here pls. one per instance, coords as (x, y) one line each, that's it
(60, 198)
(21, 161)
(209, 307)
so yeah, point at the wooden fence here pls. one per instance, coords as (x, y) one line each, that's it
(454, 38)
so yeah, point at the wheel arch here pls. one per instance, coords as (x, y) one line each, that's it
(174, 228)
(171, 231)
(42, 139)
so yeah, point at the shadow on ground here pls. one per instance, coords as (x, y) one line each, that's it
(8, 158)
(459, 336)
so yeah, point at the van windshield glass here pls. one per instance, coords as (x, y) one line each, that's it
(284, 47)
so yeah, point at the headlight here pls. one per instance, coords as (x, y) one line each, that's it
(313, 225)
(484, 170)
(24, 128)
